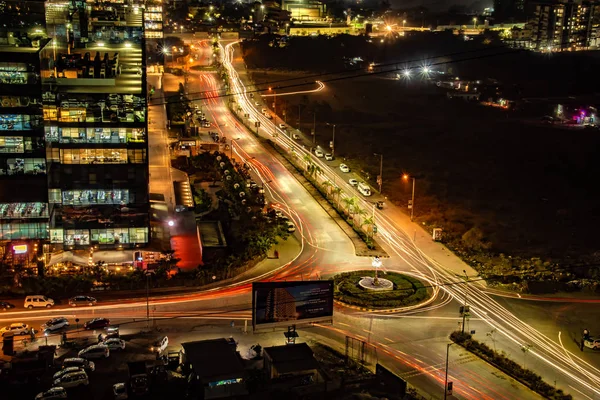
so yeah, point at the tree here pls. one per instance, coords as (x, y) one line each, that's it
(337, 192)
(350, 203)
(474, 239)
(360, 213)
(369, 221)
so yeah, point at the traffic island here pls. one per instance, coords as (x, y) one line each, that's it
(399, 291)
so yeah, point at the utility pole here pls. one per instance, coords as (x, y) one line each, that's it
(147, 299)
(299, 110)
(464, 314)
(446, 379)
(333, 142)
(314, 130)
(380, 177)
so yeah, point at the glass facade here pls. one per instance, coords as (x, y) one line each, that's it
(106, 236)
(20, 231)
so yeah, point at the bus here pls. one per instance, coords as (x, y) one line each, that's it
(364, 189)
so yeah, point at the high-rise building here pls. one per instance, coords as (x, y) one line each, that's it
(95, 125)
(565, 25)
(23, 180)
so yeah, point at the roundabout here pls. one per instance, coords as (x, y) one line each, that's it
(361, 289)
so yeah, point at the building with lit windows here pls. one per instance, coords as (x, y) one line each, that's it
(565, 25)
(153, 19)
(95, 126)
(24, 209)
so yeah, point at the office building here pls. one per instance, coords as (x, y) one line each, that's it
(565, 25)
(153, 19)
(24, 209)
(95, 126)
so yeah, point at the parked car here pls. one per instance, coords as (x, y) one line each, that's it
(38, 301)
(282, 126)
(55, 324)
(160, 345)
(295, 136)
(120, 391)
(114, 344)
(87, 365)
(6, 306)
(64, 371)
(290, 227)
(52, 394)
(97, 323)
(353, 182)
(94, 351)
(328, 156)
(380, 204)
(72, 379)
(344, 168)
(256, 103)
(592, 343)
(319, 153)
(82, 301)
(18, 328)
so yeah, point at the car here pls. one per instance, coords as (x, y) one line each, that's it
(114, 344)
(269, 116)
(66, 371)
(18, 328)
(319, 153)
(256, 103)
(55, 324)
(6, 305)
(344, 168)
(199, 112)
(592, 343)
(97, 323)
(120, 391)
(196, 106)
(206, 124)
(94, 351)
(72, 379)
(282, 126)
(87, 365)
(290, 227)
(38, 301)
(353, 182)
(82, 301)
(295, 136)
(52, 393)
(328, 156)
(160, 345)
(380, 204)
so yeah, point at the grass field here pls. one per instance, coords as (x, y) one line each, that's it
(530, 189)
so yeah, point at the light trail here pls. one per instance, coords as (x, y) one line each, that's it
(320, 87)
(482, 305)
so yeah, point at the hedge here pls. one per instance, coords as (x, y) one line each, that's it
(508, 366)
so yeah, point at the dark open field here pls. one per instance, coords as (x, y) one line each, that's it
(531, 189)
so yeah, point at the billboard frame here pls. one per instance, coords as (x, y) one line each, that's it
(256, 286)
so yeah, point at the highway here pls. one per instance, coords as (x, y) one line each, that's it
(413, 343)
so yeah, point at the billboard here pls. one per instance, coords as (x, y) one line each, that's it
(290, 303)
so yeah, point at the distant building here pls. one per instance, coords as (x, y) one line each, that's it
(304, 10)
(565, 25)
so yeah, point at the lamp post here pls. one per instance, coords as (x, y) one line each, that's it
(474, 22)
(464, 314)
(403, 24)
(332, 139)
(412, 201)
(446, 378)
(380, 177)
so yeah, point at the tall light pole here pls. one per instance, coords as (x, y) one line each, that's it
(412, 201)
(380, 177)
(403, 24)
(474, 22)
(464, 314)
(332, 139)
(446, 379)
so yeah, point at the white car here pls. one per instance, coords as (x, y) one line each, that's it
(353, 182)
(18, 328)
(160, 345)
(88, 366)
(94, 351)
(290, 227)
(72, 379)
(319, 153)
(256, 103)
(295, 136)
(592, 343)
(52, 394)
(120, 391)
(344, 168)
(282, 126)
(55, 324)
(328, 156)
(65, 371)
(115, 344)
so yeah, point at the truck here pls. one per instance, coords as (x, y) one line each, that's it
(138, 377)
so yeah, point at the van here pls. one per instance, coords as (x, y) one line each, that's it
(38, 301)
(364, 189)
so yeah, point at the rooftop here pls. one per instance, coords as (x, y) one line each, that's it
(214, 359)
(292, 357)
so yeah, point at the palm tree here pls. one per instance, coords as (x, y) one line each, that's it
(327, 186)
(308, 160)
(369, 221)
(337, 193)
(360, 213)
(350, 202)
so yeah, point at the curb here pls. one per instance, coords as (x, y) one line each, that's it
(380, 310)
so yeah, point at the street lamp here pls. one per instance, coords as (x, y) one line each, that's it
(171, 223)
(380, 177)
(474, 22)
(446, 379)
(412, 201)
(403, 23)
(332, 145)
